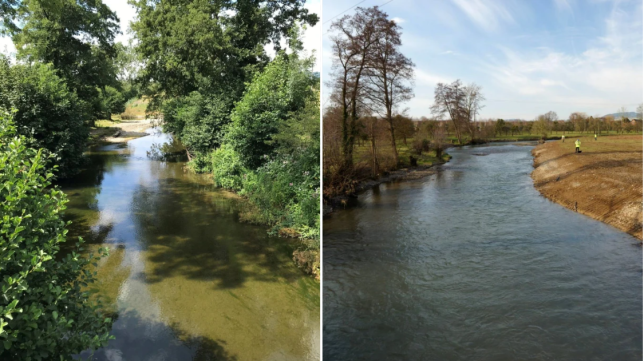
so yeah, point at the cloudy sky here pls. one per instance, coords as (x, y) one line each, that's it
(530, 57)
(126, 13)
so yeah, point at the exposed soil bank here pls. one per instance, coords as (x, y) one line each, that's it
(340, 202)
(603, 182)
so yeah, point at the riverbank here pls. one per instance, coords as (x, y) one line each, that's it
(343, 201)
(603, 182)
(107, 131)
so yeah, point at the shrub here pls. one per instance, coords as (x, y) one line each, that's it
(47, 112)
(227, 168)
(282, 88)
(198, 120)
(44, 311)
(420, 145)
(286, 191)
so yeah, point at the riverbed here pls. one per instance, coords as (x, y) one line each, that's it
(185, 278)
(471, 263)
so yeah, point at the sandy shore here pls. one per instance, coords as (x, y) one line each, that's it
(123, 131)
(603, 182)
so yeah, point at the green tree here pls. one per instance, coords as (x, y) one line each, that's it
(281, 89)
(112, 101)
(498, 126)
(77, 37)
(541, 126)
(188, 45)
(47, 111)
(45, 310)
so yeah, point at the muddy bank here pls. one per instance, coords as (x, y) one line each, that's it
(603, 182)
(340, 202)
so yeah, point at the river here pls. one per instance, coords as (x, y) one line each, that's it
(471, 263)
(186, 279)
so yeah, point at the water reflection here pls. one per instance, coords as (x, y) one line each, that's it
(187, 280)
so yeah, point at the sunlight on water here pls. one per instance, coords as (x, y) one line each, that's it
(187, 279)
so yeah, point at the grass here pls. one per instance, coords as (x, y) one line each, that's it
(553, 135)
(363, 152)
(103, 123)
(604, 144)
(135, 109)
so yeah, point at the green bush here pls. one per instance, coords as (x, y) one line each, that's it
(286, 190)
(112, 101)
(47, 111)
(45, 312)
(281, 89)
(198, 120)
(227, 168)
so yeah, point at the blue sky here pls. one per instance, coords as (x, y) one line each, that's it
(530, 57)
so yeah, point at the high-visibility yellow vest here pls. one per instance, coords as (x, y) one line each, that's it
(577, 144)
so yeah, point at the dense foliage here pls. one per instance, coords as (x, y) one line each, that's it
(271, 148)
(198, 56)
(46, 111)
(281, 89)
(77, 38)
(44, 311)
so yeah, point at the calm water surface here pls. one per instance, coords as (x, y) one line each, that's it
(187, 280)
(473, 264)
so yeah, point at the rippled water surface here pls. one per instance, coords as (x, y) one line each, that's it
(473, 264)
(186, 279)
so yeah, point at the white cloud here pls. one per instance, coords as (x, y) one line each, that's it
(428, 79)
(563, 5)
(610, 68)
(486, 14)
(398, 20)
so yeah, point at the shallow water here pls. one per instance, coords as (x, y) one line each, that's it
(473, 264)
(187, 280)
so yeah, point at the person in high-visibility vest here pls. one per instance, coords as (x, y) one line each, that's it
(563, 138)
(595, 136)
(577, 146)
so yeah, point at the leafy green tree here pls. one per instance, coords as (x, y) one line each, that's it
(8, 10)
(46, 111)
(198, 120)
(197, 57)
(281, 89)
(45, 312)
(189, 44)
(112, 102)
(77, 37)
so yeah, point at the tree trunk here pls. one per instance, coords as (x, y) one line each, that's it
(374, 156)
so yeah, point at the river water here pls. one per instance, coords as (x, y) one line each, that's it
(186, 279)
(473, 264)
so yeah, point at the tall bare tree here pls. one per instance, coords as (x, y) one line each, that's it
(353, 40)
(389, 75)
(450, 99)
(472, 104)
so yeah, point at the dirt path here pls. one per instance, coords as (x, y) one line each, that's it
(123, 131)
(603, 182)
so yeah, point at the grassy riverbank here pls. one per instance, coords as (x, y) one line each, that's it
(603, 182)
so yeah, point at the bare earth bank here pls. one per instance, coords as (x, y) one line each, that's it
(603, 182)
